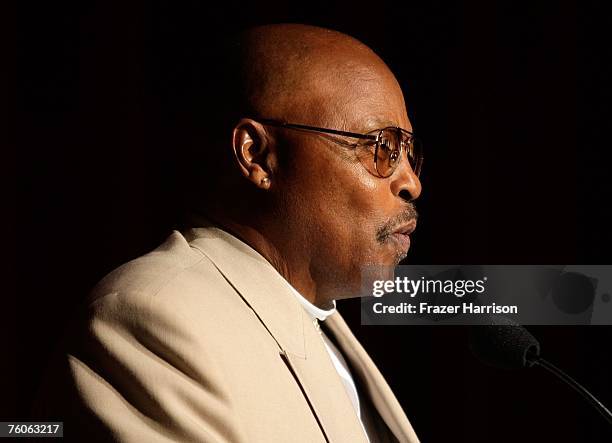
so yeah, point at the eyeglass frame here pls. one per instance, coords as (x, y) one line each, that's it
(375, 138)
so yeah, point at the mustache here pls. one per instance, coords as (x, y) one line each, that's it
(385, 231)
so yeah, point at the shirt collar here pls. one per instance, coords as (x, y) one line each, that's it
(312, 310)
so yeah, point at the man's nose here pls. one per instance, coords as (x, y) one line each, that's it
(405, 183)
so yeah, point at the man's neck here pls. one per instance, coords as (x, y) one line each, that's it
(290, 263)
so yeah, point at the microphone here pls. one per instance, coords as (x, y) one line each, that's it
(506, 344)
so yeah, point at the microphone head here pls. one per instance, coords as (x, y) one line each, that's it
(504, 344)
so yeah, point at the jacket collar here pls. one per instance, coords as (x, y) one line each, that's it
(257, 282)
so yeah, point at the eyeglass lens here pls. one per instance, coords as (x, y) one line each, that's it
(389, 150)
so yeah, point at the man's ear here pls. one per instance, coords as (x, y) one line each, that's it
(254, 152)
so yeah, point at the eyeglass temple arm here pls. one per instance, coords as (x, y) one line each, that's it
(317, 129)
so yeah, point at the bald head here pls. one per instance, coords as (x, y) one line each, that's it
(303, 73)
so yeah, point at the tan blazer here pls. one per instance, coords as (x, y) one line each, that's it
(201, 340)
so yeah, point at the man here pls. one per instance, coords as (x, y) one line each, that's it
(214, 336)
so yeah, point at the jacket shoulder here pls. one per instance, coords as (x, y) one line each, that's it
(152, 272)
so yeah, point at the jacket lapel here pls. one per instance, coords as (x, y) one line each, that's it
(322, 385)
(377, 388)
(301, 346)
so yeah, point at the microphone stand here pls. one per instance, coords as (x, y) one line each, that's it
(605, 412)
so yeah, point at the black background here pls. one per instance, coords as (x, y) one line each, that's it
(506, 96)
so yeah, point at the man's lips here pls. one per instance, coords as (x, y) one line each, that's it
(406, 228)
(402, 234)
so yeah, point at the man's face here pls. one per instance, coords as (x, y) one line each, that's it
(347, 217)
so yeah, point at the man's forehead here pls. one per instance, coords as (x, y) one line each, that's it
(373, 110)
(365, 96)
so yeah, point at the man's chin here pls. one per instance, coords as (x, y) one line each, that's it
(399, 257)
(394, 255)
